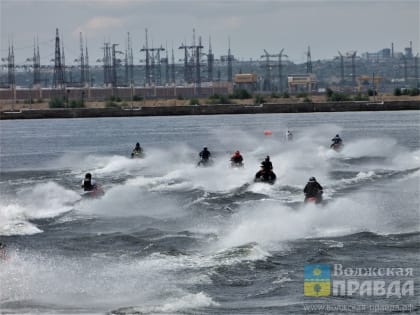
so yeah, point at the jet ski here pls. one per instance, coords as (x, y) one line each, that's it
(314, 199)
(337, 146)
(137, 155)
(263, 176)
(205, 163)
(94, 193)
(236, 164)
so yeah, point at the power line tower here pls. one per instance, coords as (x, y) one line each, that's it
(156, 63)
(352, 55)
(267, 71)
(126, 67)
(11, 78)
(146, 50)
(173, 67)
(115, 63)
(308, 61)
(36, 65)
(229, 60)
(405, 69)
(341, 68)
(268, 66)
(166, 62)
(210, 63)
(58, 77)
(82, 63)
(63, 62)
(195, 61)
(197, 65)
(87, 68)
(187, 72)
(280, 68)
(107, 61)
(129, 63)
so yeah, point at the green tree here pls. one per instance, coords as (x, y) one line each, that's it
(224, 100)
(240, 94)
(194, 101)
(371, 92)
(57, 102)
(329, 93)
(397, 92)
(339, 97)
(259, 99)
(77, 104)
(414, 92)
(360, 97)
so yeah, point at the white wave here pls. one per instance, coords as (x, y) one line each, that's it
(99, 282)
(270, 223)
(44, 200)
(212, 257)
(360, 177)
(332, 243)
(405, 160)
(371, 147)
(131, 200)
(281, 279)
(177, 304)
(16, 226)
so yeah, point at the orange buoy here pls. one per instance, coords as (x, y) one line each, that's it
(268, 132)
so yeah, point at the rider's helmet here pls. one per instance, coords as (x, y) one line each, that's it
(312, 179)
(88, 176)
(237, 152)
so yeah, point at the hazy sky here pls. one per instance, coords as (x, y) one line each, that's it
(252, 25)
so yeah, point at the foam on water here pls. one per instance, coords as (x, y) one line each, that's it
(44, 200)
(269, 223)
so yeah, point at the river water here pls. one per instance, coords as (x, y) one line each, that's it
(172, 238)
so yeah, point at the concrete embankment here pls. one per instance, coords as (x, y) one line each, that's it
(210, 110)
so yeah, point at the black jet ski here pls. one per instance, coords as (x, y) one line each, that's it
(137, 155)
(264, 176)
(337, 146)
(205, 163)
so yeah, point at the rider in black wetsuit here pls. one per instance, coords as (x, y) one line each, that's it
(313, 190)
(88, 184)
(205, 155)
(138, 150)
(266, 171)
(337, 142)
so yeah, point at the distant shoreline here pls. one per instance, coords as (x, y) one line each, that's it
(221, 109)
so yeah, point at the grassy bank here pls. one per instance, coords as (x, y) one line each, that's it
(45, 104)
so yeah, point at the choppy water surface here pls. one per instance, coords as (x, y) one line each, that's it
(168, 237)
